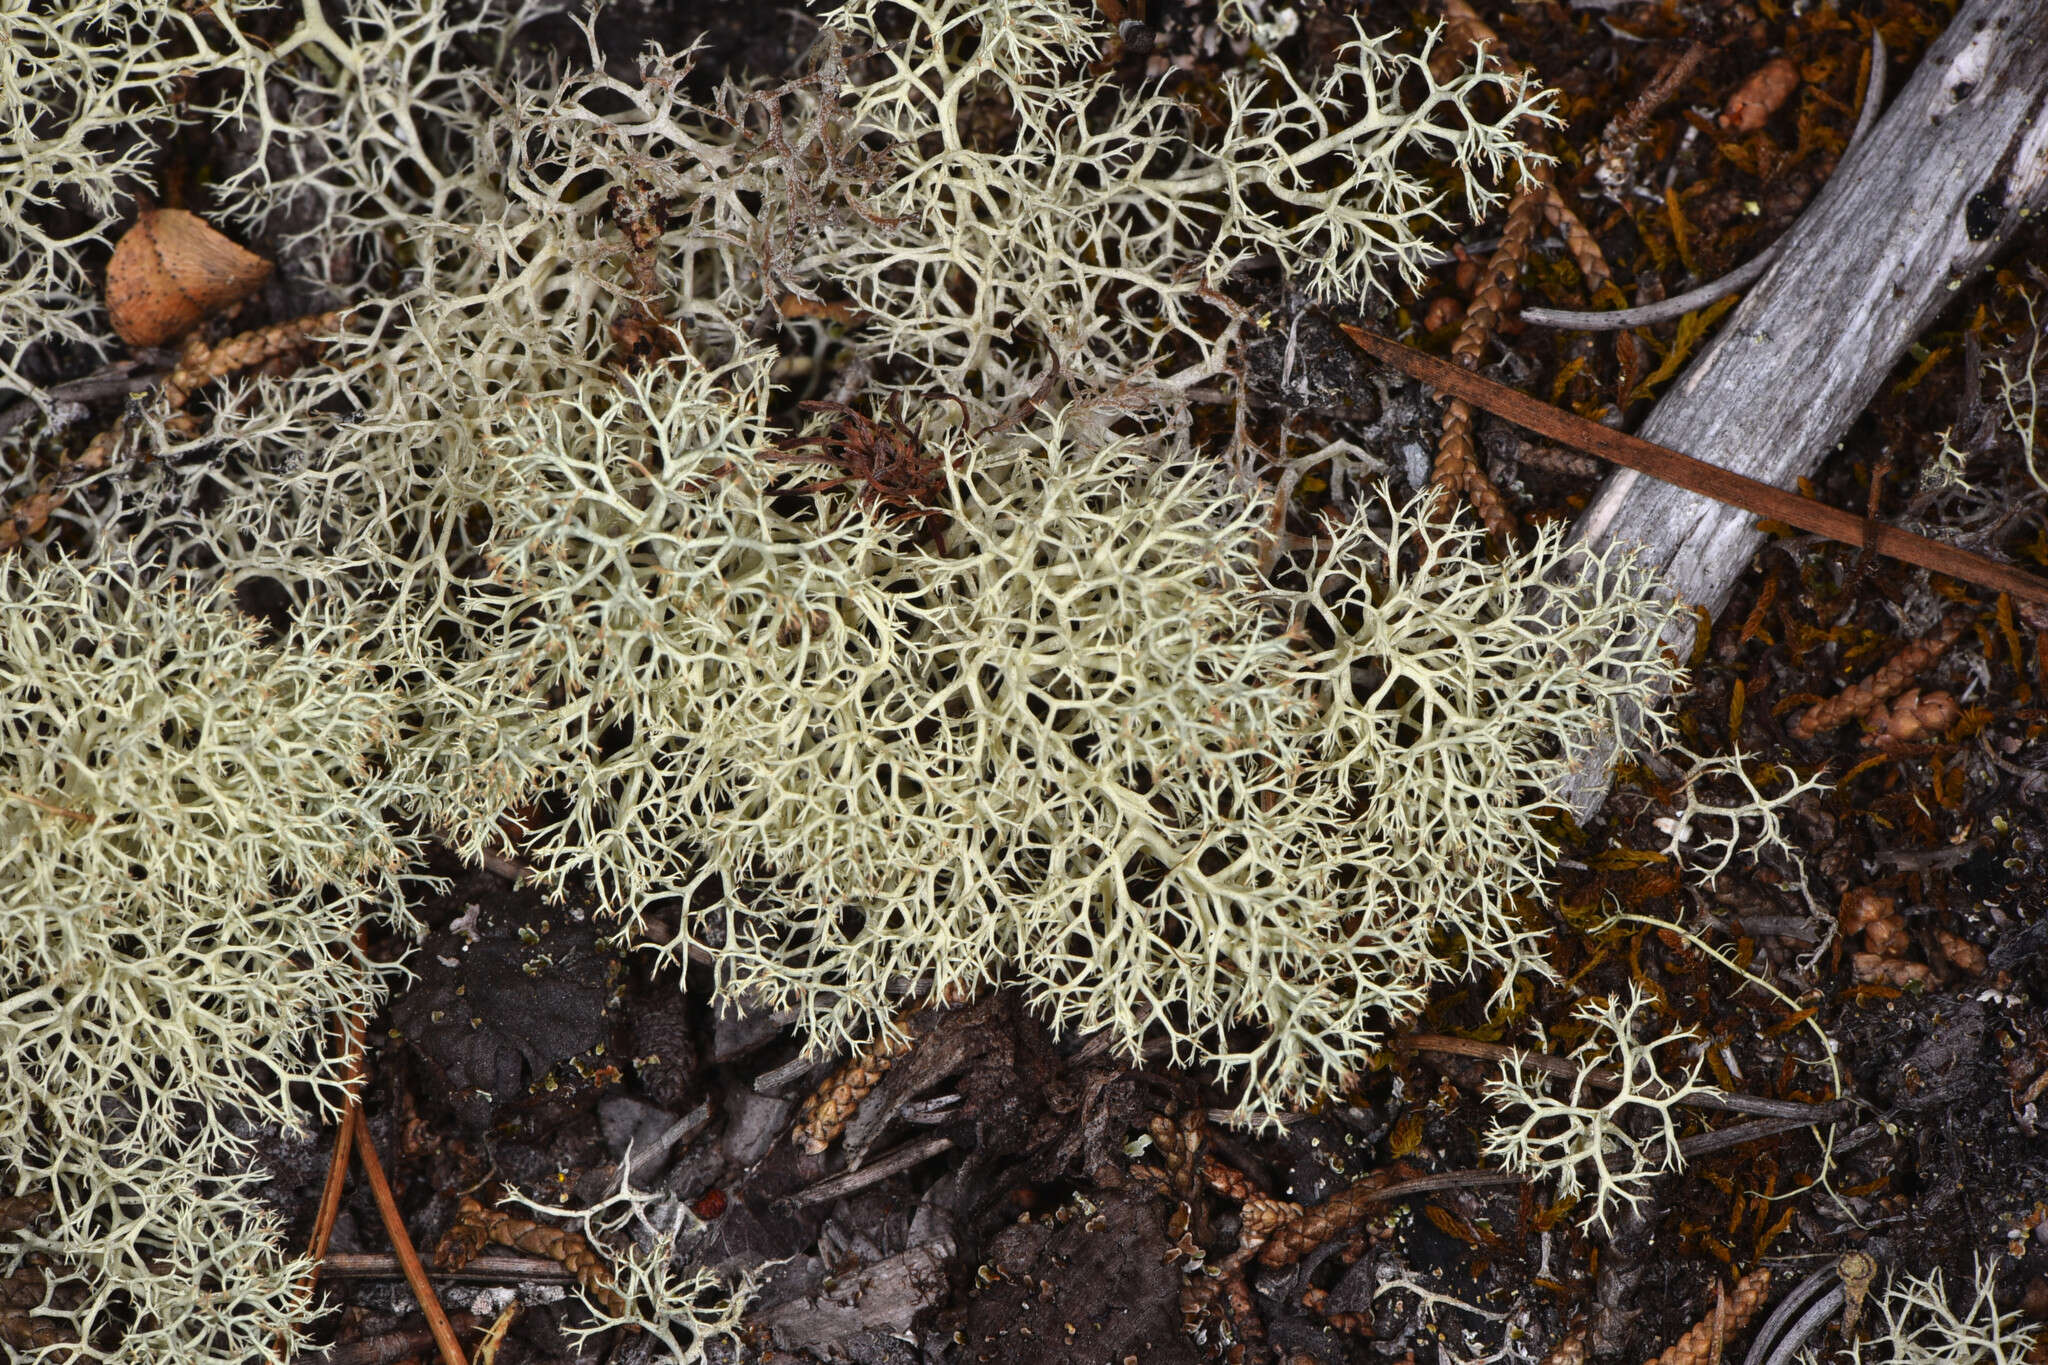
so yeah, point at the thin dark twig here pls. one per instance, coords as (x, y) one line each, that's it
(896, 1162)
(1697, 476)
(137, 374)
(378, 1265)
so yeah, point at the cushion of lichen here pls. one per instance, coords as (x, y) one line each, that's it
(1077, 739)
(188, 841)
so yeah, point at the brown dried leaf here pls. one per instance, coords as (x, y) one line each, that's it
(170, 272)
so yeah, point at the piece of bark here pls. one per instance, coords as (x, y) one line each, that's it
(1916, 208)
(885, 1297)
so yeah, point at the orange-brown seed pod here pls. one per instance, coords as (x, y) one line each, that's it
(1767, 89)
(170, 272)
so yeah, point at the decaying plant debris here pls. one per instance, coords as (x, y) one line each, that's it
(1832, 1049)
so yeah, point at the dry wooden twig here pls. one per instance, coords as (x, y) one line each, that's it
(1613, 161)
(1740, 278)
(1753, 496)
(873, 1172)
(401, 1246)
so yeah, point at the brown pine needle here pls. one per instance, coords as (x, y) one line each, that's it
(401, 1245)
(1697, 476)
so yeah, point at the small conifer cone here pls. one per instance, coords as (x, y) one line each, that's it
(1910, 716)
(1228, 1181)
(1864, 697)
(1151, 1177)
(1261, 1217)
(1178, 1143)
(1241, 1307)
(568, 1249)
(475, 1225)
(465, 1238)
(1570, 1351)
(200, 364)
(827, 1111)
(25, 1332)
(1464, 30)
(1579, 241)
(1697, 1347)
(1457, 457)
(22, 1289)
(1310, 1228)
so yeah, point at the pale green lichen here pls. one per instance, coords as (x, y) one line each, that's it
(1096, 735)
(1007, 226)
(1596, 1149)
(1921, 1325)
(1076, 738)
(76, 80)
(188, 841)
(683, 1314)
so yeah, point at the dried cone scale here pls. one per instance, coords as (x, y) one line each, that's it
(170, 272)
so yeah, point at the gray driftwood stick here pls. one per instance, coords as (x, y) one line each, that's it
(1916, 208)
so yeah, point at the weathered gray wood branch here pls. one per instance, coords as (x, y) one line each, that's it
(1939, 186)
